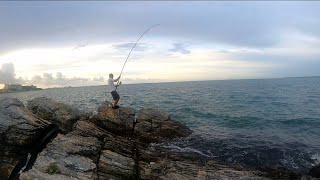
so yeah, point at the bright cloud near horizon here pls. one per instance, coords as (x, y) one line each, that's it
(78, 43)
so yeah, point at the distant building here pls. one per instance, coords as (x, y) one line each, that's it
(18, 88)
(29, 88)
(13, 87)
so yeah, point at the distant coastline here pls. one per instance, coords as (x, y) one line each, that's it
(11, 88)
(162, 82)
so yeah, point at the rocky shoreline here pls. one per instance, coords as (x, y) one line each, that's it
(50, 140)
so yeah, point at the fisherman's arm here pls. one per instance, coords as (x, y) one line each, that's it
(117, 79)
(119, 84)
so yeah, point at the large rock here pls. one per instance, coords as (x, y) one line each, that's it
(69, 155)
(58, 113)
(88, 129)
(75, 166)
(99, 148)
(315, 171)
(154, 125)
(166, 168)
(119, 145)
(162, 164)
(151, 125)
(71, 144)
(116, 166)
(38, 175)
(118, 121)
(119, 158)
(18, 126)
(19, 131)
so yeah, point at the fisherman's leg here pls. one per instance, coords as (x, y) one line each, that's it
(116, 98)
(116, 102)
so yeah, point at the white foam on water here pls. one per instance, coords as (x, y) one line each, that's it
(316, 158)
(185, 149)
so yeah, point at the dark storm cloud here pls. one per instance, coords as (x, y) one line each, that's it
(250, 24)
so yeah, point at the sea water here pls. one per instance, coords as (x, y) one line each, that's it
(247, 122)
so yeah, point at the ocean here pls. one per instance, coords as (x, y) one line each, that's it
(261, 122)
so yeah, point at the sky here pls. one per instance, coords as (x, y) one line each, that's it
(78, 43)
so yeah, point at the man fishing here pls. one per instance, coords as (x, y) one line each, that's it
(113, 90)
(112, 87)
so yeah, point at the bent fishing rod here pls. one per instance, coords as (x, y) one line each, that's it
(119, 82)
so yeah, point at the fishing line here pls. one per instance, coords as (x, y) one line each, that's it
(133, 48)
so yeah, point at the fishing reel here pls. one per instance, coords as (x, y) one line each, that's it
(119, 83)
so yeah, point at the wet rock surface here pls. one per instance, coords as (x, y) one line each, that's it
(103, 146)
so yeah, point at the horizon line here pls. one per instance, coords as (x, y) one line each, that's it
(193, 81)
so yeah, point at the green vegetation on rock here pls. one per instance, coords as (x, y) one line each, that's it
(53, 169)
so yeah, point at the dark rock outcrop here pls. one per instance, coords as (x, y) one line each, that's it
(166, 168)
(115, 165)
(315, 171)
(18, 126)
(19, 131)
(151, 125)
(71, 155)
(101, 147)
(279, 173)
(154, 125)
(88, 129)
(118, 121)
(57, 113)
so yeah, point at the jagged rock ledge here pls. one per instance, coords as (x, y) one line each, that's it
(112, 144)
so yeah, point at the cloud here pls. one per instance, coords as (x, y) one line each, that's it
(81, 45)
(49, 37)
(60, 76)
(181, 48)
(59, 80)
(98, 79)
(48, 78)
(252, 24)
(7, 74)
(36, 78)
(128, 46)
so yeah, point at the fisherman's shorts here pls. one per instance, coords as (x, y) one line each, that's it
(115, 95)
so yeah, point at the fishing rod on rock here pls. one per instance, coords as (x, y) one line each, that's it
(119, 82)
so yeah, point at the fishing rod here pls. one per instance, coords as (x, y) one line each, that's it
(133, 48)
